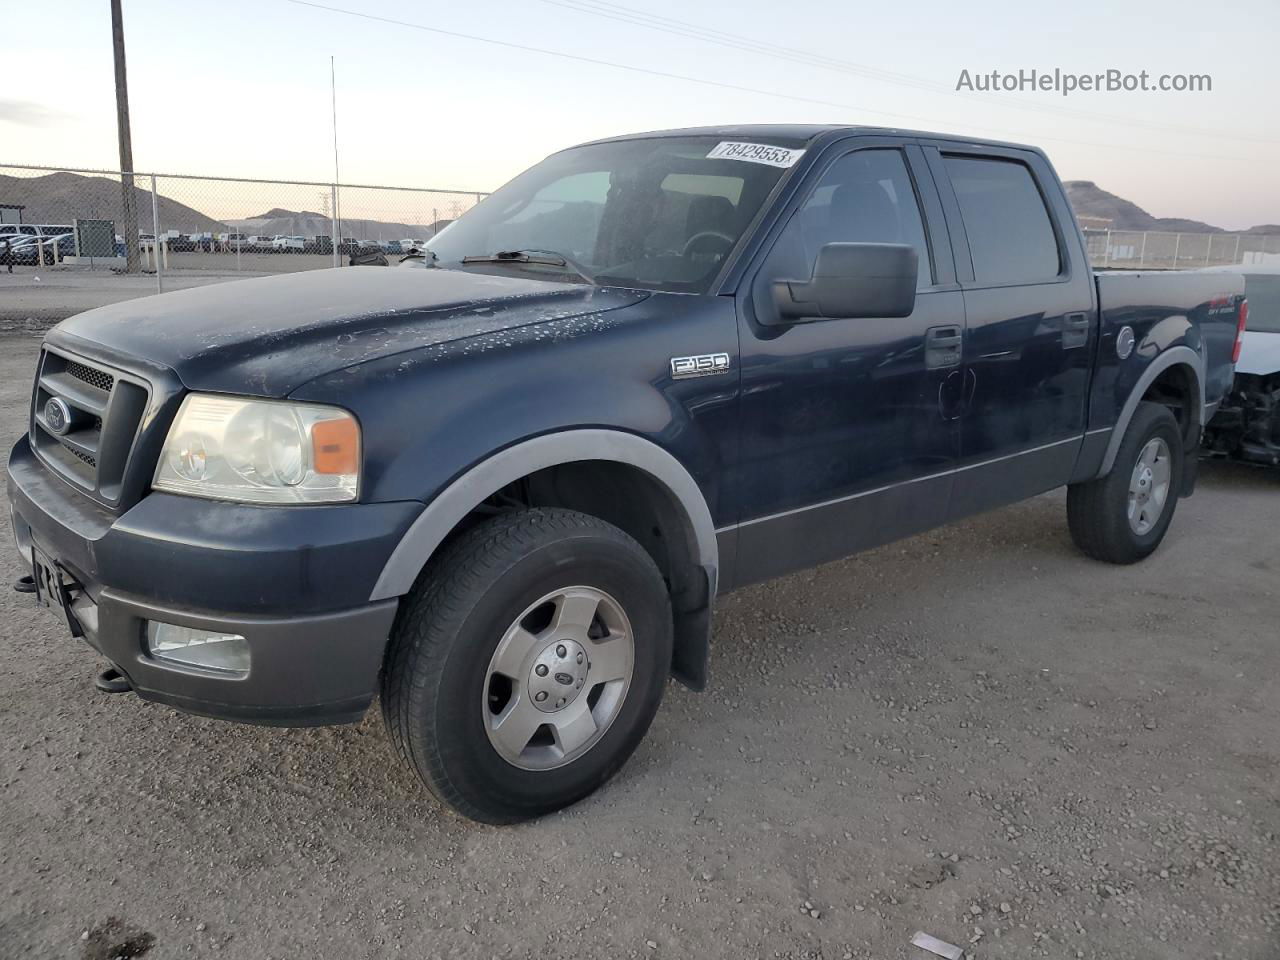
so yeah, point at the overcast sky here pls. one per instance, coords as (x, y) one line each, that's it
(241, 88)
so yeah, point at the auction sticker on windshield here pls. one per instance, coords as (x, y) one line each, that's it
(755, 153)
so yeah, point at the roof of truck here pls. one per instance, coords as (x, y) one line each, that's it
(805, 132)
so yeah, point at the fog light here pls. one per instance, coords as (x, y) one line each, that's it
(225, 652)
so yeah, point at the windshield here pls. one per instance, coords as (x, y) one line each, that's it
(655, 213)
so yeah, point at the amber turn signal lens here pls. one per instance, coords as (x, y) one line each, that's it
(335, 446)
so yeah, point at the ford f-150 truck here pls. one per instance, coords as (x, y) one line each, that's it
(502, 483)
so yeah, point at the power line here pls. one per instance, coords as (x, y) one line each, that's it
(511, 45)
(682, 28)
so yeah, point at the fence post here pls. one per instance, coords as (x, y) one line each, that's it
(1177, 245)
(337, 219)
(1142, 253)
(155, 233)
(333, 223)
(1235, 257)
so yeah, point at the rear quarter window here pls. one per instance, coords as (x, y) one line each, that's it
(1011, 237)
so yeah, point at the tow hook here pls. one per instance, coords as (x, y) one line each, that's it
(112, 680)
(25, 584)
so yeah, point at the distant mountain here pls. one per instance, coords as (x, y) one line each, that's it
(1272, 228)
(307, 223)
(62, 197)
(1090, 200)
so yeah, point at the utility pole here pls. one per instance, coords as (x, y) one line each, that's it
(128, 195)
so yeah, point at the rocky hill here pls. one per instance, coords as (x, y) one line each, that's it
(62, 197)
(307, 223)
(1090, 200)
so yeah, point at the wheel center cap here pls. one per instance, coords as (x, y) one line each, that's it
(558, 675)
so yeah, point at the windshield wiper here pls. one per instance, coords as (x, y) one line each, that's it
(547, 258)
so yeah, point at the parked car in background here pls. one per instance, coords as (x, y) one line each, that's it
(258, 244)
(411, 244)
(1247, 424)
(391, 246)
(233, 241)
(320, 244)
(18, 230)
(54, 229)
(289, 244)
(28, 252)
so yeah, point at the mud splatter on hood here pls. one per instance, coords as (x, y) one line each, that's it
(267, 336)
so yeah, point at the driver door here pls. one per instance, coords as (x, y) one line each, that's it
(850, 427)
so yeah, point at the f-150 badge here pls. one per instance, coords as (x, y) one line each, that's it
(701, 365)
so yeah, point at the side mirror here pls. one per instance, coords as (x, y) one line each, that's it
(852, 280)
(368, 258)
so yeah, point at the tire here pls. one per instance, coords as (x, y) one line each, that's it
(448, 677)
(1098, 512)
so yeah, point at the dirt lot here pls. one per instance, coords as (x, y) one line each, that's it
(976, 733)
(46, 294)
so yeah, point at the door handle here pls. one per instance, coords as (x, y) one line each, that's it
(1075, 330)
(942, 347)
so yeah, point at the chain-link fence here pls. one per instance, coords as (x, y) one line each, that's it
(216, 225)
(1132, 249)
(221, 225)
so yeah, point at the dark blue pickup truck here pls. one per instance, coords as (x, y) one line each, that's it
(502, 483)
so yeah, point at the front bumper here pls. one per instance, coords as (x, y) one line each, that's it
(294, 581)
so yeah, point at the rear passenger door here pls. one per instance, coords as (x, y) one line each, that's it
(1031, 311)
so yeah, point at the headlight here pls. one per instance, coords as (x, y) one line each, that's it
(260, 451)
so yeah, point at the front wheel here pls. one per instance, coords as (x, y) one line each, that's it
(528, 663)
(1122, 517)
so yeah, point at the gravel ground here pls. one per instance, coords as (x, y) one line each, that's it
(32, 297)
(976, 733)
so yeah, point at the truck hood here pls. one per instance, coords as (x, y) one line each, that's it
(268, 336)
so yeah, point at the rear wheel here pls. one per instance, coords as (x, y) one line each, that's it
(528, 663)
(1122, 517)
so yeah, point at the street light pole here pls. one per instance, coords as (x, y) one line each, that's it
(128, 196)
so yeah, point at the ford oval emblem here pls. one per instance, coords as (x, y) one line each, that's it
(57, 415)
(1124, 342)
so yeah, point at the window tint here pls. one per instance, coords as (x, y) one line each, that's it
(865, 197)
(1010, 235)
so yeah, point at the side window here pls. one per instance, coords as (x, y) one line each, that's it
(1011, 237)
(865, 197)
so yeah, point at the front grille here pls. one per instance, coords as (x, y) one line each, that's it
(91, 446)
(98, 378)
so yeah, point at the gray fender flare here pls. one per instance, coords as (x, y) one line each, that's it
(468, 491)
(1171, 357)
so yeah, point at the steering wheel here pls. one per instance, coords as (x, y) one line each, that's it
(702, 235)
